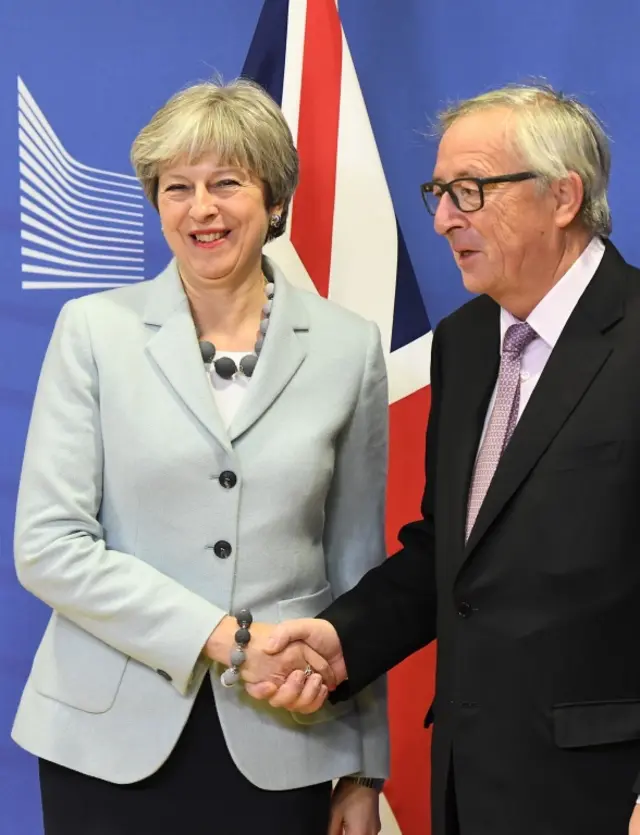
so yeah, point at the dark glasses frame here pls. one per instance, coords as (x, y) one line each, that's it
(481, 182)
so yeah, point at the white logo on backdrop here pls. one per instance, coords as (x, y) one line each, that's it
(81, 227)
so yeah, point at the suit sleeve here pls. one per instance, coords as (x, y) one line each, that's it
(61, 554)
(391, 612)
(354, 536)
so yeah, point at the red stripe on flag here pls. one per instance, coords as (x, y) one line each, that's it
(411, 684)
(312, 220)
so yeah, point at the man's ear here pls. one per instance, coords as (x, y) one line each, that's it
(568, 193)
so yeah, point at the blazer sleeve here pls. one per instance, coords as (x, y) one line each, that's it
(354, 537)
(392, 611)
(60, 551)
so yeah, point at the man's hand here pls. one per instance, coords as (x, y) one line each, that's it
(263, 664)
(297, 693)
(634, 823)
(355, 810)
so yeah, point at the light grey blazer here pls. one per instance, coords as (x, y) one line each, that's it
(120, 507)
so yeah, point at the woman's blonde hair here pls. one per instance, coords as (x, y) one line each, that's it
(239, 121)
(554, 134)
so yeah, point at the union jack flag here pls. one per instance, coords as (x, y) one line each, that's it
(344, 240)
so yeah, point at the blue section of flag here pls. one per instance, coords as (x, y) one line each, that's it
(266, 56)
(410, 318)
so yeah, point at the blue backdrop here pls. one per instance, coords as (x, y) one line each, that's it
(98, 71)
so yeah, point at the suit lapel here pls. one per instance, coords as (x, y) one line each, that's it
(282, 355)
(581, 351)
(174, 349)
(476, 373)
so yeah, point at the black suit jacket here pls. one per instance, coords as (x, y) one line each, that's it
(537, 707)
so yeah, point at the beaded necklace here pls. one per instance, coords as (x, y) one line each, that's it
(226, 367)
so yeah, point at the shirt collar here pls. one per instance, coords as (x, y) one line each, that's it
(552, 312)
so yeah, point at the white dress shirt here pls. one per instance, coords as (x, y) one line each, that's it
(228, 394)
(548, 319)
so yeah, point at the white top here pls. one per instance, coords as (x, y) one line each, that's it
(228, 394)
(548, 319)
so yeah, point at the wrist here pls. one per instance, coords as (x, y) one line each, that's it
(336, 661)
(231, 676)
(221, 641)
(375, 783)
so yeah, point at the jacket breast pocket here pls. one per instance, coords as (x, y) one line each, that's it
(578, 456)
(309, 606)
(73, 667)
(582, 725)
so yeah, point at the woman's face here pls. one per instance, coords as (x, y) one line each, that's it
(213, 217)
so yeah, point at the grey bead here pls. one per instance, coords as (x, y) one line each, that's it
(248, 364)
(225, 368)
(269, 290)
(238, 657)
(266, 308)
(208, 351)
(258, 345)
(264, 324)
(230, 677)
(244, 617)
(242, 636)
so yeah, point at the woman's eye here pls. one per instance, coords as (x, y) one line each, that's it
(175, 187)
(227, 183)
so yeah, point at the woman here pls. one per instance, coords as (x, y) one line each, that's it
(180, 469)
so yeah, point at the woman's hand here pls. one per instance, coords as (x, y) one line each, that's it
(355, 810)
(274, 670)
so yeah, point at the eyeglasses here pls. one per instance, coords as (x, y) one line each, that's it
(467, 193)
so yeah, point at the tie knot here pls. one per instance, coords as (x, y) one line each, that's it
(517, 338)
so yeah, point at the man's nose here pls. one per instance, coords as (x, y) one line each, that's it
(448, 216)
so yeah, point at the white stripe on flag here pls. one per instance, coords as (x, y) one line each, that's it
(282, 250)
(365, 244)
(389, 823)
(294, 55)
(409, 368)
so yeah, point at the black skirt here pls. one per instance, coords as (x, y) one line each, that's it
(197, 791)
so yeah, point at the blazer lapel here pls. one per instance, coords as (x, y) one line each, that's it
(582, 350)
(174, 349)
(282, 355)
(476, 374)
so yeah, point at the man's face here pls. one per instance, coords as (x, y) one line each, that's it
(502, 244)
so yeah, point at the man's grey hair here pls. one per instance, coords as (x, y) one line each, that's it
(238, 121)
(554, 134)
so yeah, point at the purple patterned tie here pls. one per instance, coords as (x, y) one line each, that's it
(503, 417)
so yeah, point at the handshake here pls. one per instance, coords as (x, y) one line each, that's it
(294, 665)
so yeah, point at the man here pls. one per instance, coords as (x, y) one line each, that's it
(525, 564)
